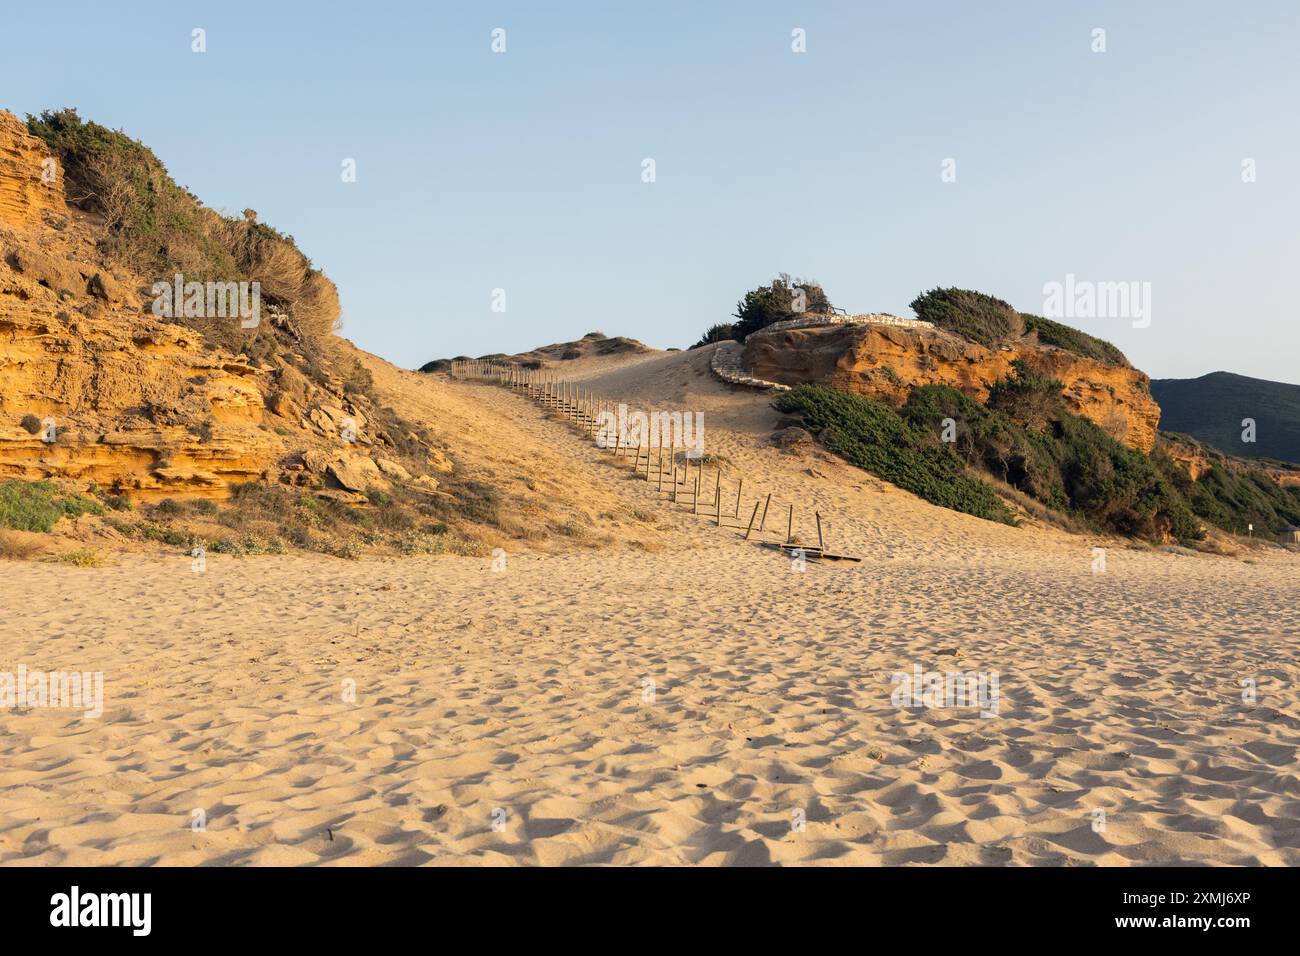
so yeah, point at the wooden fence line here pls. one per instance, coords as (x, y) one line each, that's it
(593, 415)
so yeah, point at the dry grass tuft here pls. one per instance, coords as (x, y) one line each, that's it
(16, 547)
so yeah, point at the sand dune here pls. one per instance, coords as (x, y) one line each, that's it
(698, 702)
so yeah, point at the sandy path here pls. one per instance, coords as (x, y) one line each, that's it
(524, 696)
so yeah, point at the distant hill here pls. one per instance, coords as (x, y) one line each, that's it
(591, 345)
(1211, 408)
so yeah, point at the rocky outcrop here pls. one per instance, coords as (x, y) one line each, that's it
(886, 362)
(31, 182)
(125, 403)
(1197, 458)
(1191, 457)
(96, 389)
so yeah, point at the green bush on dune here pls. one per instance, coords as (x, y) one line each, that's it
(1026, 437)
(990, 441)
(871, 435)
(717, 333)
(38, 505)
(778, 301)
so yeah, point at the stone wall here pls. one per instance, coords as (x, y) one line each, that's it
(813, 320)
(727, 365)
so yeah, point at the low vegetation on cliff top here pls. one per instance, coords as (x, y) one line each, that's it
(981, 318)
(991, 323)
(156, 228)
(783, 298)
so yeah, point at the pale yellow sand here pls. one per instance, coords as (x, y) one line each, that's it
(524, 696)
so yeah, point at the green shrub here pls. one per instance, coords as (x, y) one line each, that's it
(226, 546)
(1233, 497)
(1072, 340)
(775, 303)
(75, 505)
(168, 536)
(992, 322)
(1120, 488)
(28, 506)
(155, 227)
(874, 437)
(973, 315)
(1031, 399)
(717, 333)
(991, 441)
(1030, 441)
(38, 505)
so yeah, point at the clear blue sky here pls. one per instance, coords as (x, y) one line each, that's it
(522, 170)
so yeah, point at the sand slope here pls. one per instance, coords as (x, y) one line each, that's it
(687, 704)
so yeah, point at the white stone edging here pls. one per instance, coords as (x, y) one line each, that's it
(725, 364)
(870, 318)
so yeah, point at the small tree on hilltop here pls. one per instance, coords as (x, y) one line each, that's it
(717, 333)
(785, 298)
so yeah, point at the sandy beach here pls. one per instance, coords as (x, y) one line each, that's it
(675, 696)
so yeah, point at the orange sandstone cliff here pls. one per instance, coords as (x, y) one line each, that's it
(885, 362)
(95, 388)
